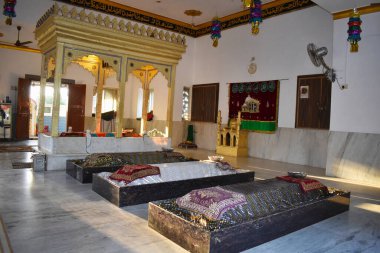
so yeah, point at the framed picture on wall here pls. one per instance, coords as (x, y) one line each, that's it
(304, 92)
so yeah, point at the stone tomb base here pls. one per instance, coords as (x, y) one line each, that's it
(247, 234)
(183, 178)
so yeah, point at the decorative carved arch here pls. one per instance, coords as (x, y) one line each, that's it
(72, 55)
(228, 139)
(135, 64)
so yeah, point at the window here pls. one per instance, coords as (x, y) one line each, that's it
(204, 103)
(140, 102)
(109, 102)
(185, 103)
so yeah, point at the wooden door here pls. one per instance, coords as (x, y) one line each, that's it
(76, 107)
(23, 109)
(204, 102)
(313, 102)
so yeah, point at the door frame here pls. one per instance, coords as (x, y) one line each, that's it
(313, 76)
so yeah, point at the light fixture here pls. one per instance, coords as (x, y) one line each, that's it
(192, 14)
(354, 30)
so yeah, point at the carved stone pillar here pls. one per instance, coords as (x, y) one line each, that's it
(41, 104)
(57, 87)
(171, 91)
(144, 116)
(121, 98)
(99, 98)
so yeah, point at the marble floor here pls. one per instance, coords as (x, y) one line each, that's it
(52, 212)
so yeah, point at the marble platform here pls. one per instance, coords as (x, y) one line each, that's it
(354, 156)
(52, 212)
(60, 149)
(291, 145)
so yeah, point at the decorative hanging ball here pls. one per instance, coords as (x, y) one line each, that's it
(216, 28)
(354, 30)
(255, 17)
(9, 10)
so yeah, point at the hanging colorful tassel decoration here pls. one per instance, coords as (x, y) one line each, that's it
(354, 30)
(216, 28)
(255, 17)
(247, 3)
(9, 10)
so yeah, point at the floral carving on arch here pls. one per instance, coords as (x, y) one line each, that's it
(71, 55)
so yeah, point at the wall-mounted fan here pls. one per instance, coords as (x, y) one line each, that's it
(18, 42)
(316, 56)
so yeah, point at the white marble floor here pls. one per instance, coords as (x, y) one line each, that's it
(51, 212)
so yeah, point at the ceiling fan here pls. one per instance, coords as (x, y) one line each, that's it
(18, 42)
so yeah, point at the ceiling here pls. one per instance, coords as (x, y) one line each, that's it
(174, 9)
(342, 5)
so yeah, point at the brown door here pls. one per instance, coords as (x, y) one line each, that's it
(76, 107)
(313, 102)
(204, 102)
(23, 109)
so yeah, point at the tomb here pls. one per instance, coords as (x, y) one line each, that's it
(175, 180)
(273, 208)
(82, 170)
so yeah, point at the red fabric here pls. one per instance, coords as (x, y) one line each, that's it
(128, 173)
(265, 92)
(128, 134)
(305, 183)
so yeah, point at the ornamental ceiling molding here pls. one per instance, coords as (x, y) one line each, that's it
(85, 32)
(269, 10)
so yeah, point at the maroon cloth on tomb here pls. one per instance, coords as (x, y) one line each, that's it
(128, 173)
(305, 184)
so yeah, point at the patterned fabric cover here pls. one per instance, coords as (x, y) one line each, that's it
(305, 184)
(211, 202)
(263, 198)
(173, 154)
(128, 173)
(101, 159)
(116, 159)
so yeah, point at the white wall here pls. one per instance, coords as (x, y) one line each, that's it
(159, 84)
(184, 77)
(15, 64)
(280, 52)
(356, 109)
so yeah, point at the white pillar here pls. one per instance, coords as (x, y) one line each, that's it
(99, 98)
(121, 98)
(41, 104)
(171, 91)
(57, 87)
